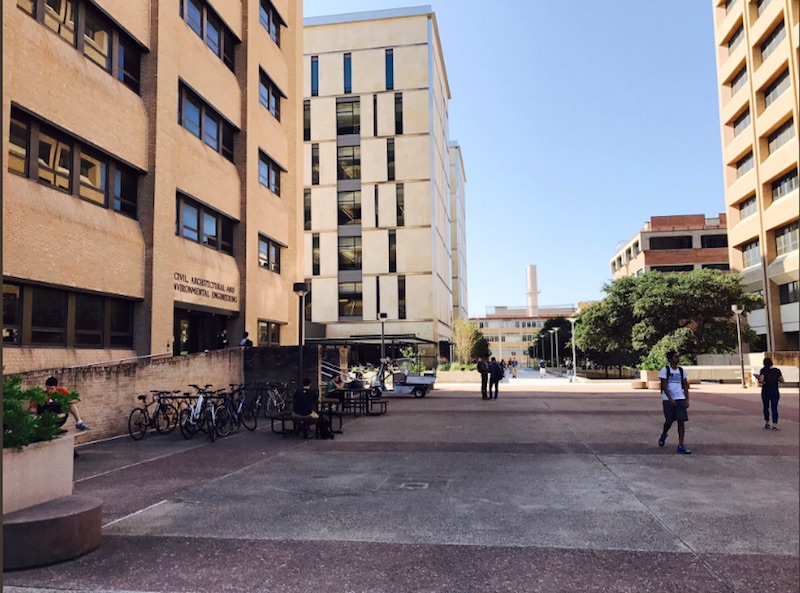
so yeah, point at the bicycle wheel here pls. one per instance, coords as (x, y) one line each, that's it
(210, 427)
(137, 424)
(248, 417)
(188, 429)
(166, 418)
(224, 421)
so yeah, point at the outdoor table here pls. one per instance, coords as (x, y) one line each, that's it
(326, 407)
(356, 398)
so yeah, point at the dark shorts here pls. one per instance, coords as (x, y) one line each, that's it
(676, 412)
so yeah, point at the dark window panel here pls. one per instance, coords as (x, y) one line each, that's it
(48, 316)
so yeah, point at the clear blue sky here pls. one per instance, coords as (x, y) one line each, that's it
(578, 121)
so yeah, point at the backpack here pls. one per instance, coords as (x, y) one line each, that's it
(679, 368)
(498, 372)
(324, 429)
(483, 367)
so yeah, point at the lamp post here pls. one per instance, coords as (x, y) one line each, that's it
(301, 289)
(738, 310)
(552, 355)
(382, 317)
(558, 362)
(572, 321)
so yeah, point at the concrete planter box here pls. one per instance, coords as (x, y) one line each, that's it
(458, 377)
(38, 473)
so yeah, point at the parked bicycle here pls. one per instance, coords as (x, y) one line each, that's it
(204, 414)
(239, 412)
(163, 418)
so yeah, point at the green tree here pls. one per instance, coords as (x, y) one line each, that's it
(644, 316)
(465, 336)
(481, 349)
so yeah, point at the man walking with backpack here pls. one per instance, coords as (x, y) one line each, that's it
(495, 374)
(674, 399)
(483, 369)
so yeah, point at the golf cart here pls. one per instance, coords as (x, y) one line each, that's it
(394, 376)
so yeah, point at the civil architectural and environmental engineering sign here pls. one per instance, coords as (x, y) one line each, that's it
(205, 288)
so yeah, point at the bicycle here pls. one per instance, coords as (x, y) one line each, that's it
(163, 419)
(239, 412)
(278, 397)
(203, 415)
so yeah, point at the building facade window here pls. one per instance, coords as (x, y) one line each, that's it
(748, 207)
(348, 73)
(205, 122)
(389, 69)
(306, 120)
(744, 164)
(739, 80)
(348, 161)
(741, 122)
(390, 159)
(735, 39)
(269, 254)
(720, 267)
(314, 76)
(751, 254)
(772, 41)
(375, 115)
(713, 241)
(658, 243)
(349, 203)
(786, 239)
(401, 297)
(307, 209)
(269, 95)
(351, 300)
(673, 268)
(269, 174)
(271, 20)
(348, 118)
(776, 88)
(315, 254)
(784, 185)
(269, 333)
(349, 253)
(392, 252)
(729, 4)
(761, 5)
(401, 205)
(202, 224)
(204, 21)
(787, 293)
(57, 317)
(398, 113)
(780, 136)
(93, 34)
(315, 164)
(100, 178)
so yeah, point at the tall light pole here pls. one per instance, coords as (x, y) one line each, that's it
(572, 321)
(301, 289)
(558, 362)
(552, 355)
(382, 317)
(738, 310)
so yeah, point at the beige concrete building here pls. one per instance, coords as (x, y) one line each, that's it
(377, 178)
(152, 177)
(758, 48)
(674, 244)
(458, 232)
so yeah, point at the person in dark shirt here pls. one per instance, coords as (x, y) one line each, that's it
(768, 378)
(305, 402)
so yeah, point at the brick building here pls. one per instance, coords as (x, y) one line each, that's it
(674, 244)
(152, 177)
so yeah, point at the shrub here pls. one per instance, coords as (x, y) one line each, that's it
(20, 427)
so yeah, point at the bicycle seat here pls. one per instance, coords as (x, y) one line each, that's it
(141, 397)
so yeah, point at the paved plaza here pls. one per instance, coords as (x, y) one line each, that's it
(554, 488)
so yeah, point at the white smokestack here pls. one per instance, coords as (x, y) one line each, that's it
(533, 292)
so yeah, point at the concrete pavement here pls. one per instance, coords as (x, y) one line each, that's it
(555, 487)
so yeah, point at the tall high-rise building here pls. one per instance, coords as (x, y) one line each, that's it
(151, 185)
(377, 178)
(458, 232)
(758, 48)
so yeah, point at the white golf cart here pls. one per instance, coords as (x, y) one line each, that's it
(395, 376)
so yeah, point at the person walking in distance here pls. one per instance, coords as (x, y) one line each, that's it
(495, 374)
(674, 399)
(542, 369)
(483, 369)
(768, 378)
(222, 340)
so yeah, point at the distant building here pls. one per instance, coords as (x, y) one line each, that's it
(757, 46)
(674, 244)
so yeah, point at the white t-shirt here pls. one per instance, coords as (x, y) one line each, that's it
(674, 383)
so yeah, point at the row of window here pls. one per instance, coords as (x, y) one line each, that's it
(204, 21)
(40, 152)
(775, 140)
(685, 242)
(351, 299)
(779, 188)
(347, 67)
(348, 117)
(205, 122)
(40, 316)
(787, 293)
(349, 207)
(771, 92)
(786, 241)
(766, 47)
(88, 30)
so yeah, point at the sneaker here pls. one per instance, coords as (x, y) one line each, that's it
(774, 427)
(683, 449)
(766, 426)
(661, 440)
(81, 426)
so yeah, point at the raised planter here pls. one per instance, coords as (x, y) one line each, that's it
(38, 473)
(458, 377)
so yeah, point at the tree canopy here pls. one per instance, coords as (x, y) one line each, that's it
(644, 316)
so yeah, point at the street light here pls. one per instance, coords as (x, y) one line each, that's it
(301, 289)
(738, 310)
(552, 355)
(558, 362)
(572, 321)
(382, 317)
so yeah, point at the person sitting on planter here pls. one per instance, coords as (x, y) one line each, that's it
(50, 387)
